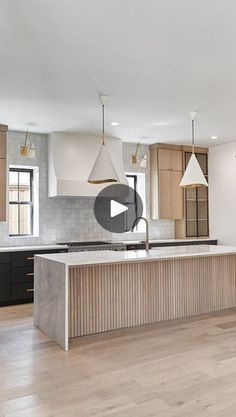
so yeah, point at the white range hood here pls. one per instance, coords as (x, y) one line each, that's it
(70, 161)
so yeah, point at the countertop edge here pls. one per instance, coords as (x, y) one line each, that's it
(132, 256)
(30, 248)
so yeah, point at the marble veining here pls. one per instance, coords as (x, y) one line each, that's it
(102, 257)
(90, 292)
(51, 300)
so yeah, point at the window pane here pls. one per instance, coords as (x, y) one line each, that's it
(13, 186)
(130, 182)
(13, 219)
(24, 186)
(25, 219)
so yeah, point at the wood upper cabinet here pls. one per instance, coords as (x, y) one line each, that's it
(196, 219)
(3, 190)
(166, 174)
(176, 195)
(176, 160)
(3, 151)
(165, 198)
(3, 172)
(170, 159)
(164, 159)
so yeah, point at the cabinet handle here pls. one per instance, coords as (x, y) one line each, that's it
(30, 274)
(30, 258)
(30, 290)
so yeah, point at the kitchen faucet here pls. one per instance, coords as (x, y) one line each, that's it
(147, 231)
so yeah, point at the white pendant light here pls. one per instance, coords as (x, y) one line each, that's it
(193, 175)
(143, 162)
(103, 170)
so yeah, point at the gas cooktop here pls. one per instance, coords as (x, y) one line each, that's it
(87, 243)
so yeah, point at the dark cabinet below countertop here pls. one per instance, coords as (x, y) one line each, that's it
(137, 246)
(17, 275)
(5, 282)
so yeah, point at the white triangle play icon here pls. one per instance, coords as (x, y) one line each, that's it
(117, 208)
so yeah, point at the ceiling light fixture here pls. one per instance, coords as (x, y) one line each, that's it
(103, 170)
(214, 137)
(135, 160)
(193, 175)
(143, 162)
(115, 123)
(28, 149)
(161, 124)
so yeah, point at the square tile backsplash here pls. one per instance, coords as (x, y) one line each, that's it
(68, 219)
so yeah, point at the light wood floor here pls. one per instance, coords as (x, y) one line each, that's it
(181, 368)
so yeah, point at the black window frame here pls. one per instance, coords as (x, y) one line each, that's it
(135, 178)
(19, 202)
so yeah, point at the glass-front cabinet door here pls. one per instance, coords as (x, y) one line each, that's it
(196, 203)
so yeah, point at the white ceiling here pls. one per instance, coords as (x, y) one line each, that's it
(157, 59)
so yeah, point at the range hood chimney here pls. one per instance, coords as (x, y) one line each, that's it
(70, 161)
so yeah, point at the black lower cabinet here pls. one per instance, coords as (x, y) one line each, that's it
(22, 283)
(17, 276)
(5, 283)
(22, 292)
(139, 246)
(22, 275)
(5, 278)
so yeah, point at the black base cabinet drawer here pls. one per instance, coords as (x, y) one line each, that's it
(4, 258)
(5, 282)
(27, 258)
(17, 275)
(22, 292)
(22, 259)
(22, 275)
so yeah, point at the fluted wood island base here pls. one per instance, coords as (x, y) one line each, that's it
(78, 294)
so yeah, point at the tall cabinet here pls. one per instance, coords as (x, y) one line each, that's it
(166, 174)
(188, 207)
(3, 171)
(196, 218)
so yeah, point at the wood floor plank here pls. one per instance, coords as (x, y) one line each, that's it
(180, 368)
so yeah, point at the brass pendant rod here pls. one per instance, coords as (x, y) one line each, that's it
(137, 147)
(193, 136)
(26, 137)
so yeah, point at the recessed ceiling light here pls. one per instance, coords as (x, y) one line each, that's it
(214, 137)
(160, 124)
(115, 123)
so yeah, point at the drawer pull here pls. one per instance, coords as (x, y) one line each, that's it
(30, 290)
(30, 258)
(30, 274)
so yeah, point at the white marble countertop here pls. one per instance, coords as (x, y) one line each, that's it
(31, 248)
(187, 239)
(152, 240)
(49, 246)
(106, 257)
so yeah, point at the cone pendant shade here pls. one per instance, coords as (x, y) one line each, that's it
(193, 176)
(103, 170)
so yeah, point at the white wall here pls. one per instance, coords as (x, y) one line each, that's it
(222, 193)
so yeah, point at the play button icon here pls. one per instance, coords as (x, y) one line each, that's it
(117, 207)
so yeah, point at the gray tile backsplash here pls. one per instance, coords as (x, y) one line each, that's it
(63, 219)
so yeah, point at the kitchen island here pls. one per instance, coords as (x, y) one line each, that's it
(77, 294)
